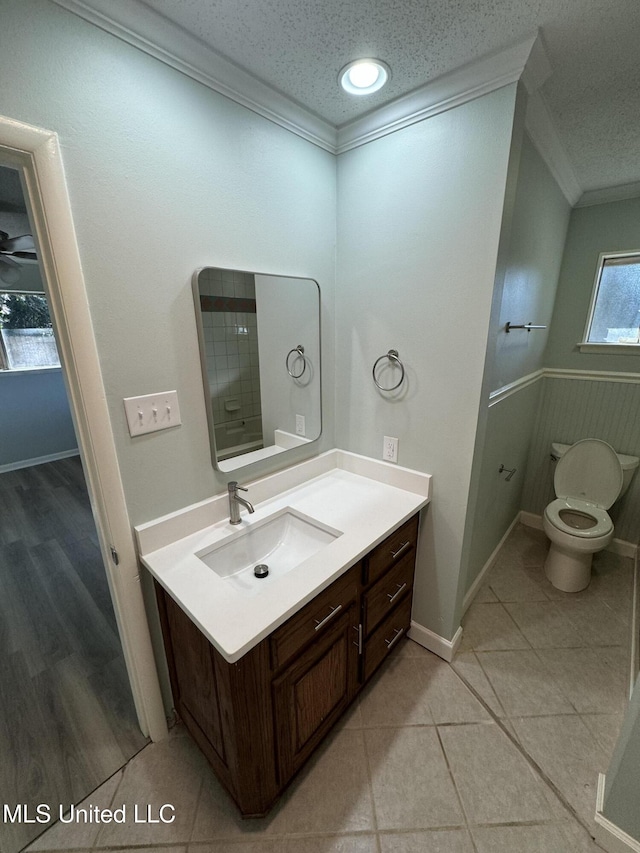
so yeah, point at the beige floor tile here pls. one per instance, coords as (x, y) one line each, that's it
(468, 667)
(546, 625)
(549, 838)
(526, 546)
(396, 696)
(593, 680)
(485, 594)
(488, 626)
(332, 844)
(412, 787)
(568, 754)
(512, 582)
(428, 841)
(77, 836)
(611, 577)
(217, 816)
(332, 792)
(449, 700)
(522, 684)
(605, 728)
(495, 782)
(181, 848)
(257, 846)
(597, 623)
(168, 772)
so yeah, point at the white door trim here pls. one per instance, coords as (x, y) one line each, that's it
(36, 152)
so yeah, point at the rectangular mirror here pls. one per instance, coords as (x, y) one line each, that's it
(259, 338)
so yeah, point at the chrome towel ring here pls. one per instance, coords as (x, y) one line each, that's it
(299, 350)
(392, 355)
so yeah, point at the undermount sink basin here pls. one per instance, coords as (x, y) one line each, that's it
(281, 542)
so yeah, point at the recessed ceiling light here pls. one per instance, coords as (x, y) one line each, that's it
(364, 76)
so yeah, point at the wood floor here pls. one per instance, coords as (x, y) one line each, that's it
(67, 719)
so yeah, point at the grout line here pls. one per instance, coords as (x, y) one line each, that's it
(455, 788)
(367, 762)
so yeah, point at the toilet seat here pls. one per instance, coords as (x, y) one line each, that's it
(603, 523)
(589, 472)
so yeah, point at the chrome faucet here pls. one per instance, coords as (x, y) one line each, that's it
(234, 502)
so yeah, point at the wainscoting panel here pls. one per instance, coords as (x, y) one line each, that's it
(571, 409)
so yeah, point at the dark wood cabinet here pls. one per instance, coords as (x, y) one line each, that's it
(259, 719)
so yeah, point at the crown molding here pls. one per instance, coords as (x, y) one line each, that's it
(464, 84)
(155, 35)
(540, 127)
(152, 33)
(608, 194)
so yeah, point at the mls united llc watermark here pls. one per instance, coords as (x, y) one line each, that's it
(44, 813)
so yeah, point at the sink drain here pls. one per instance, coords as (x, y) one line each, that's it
(261, 570)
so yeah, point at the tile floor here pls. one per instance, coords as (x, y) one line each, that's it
(499, 751)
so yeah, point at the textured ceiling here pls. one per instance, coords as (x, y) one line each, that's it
(299, 46)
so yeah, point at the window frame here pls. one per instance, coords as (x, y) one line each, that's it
(602, 346)
(5, 369)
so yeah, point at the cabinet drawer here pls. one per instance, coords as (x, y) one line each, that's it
(394, 548)
(314, 618)
(386, 637)
(387, 592)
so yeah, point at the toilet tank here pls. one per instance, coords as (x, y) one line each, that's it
(627, 463)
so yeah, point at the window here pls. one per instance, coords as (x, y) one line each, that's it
(614, 315)
(26, 336)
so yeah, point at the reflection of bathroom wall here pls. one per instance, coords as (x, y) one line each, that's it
(228, 305)
(288, 316)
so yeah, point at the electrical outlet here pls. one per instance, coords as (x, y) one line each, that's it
(152, 412)
(300, 425)
(390, 449)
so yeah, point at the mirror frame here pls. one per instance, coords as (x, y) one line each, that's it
(257, 455)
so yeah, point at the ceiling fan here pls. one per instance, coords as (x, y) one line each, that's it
(11, 248)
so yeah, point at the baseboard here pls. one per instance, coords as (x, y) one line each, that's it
(475, 586)
(609, 836)
(38, 460)
(618, 546)
(445, 649)
(530, 519)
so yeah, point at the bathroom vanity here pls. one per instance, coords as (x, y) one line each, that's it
(261, 670)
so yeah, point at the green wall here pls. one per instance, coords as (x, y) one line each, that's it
(613, 227)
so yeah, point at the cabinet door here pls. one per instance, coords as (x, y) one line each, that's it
(313, 691)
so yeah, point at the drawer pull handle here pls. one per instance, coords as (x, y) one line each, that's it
(392, 597)
(401, 550)
(391, 643)
(358, 628)
(320, 623)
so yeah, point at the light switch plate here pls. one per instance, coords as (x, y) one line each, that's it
(152, 412)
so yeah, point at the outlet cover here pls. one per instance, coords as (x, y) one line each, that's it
(300, 425)
(152, 412)
(390, 449)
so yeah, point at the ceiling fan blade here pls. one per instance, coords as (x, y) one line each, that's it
(18, 244)
(10, 271)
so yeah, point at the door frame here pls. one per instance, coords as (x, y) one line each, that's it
(36, 153)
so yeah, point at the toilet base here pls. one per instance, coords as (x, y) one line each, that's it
(568, 571)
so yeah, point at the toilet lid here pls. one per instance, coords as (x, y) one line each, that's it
(590, 471)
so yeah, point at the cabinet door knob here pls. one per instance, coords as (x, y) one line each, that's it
(392, 596)
(401, 550)
(321, 622)
(391, 643)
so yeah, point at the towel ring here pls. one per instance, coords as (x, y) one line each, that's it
(299, 350)
(392, 355)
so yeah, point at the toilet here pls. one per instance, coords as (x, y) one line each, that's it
(589, 477)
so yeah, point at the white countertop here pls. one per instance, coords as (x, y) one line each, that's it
(363, 498)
